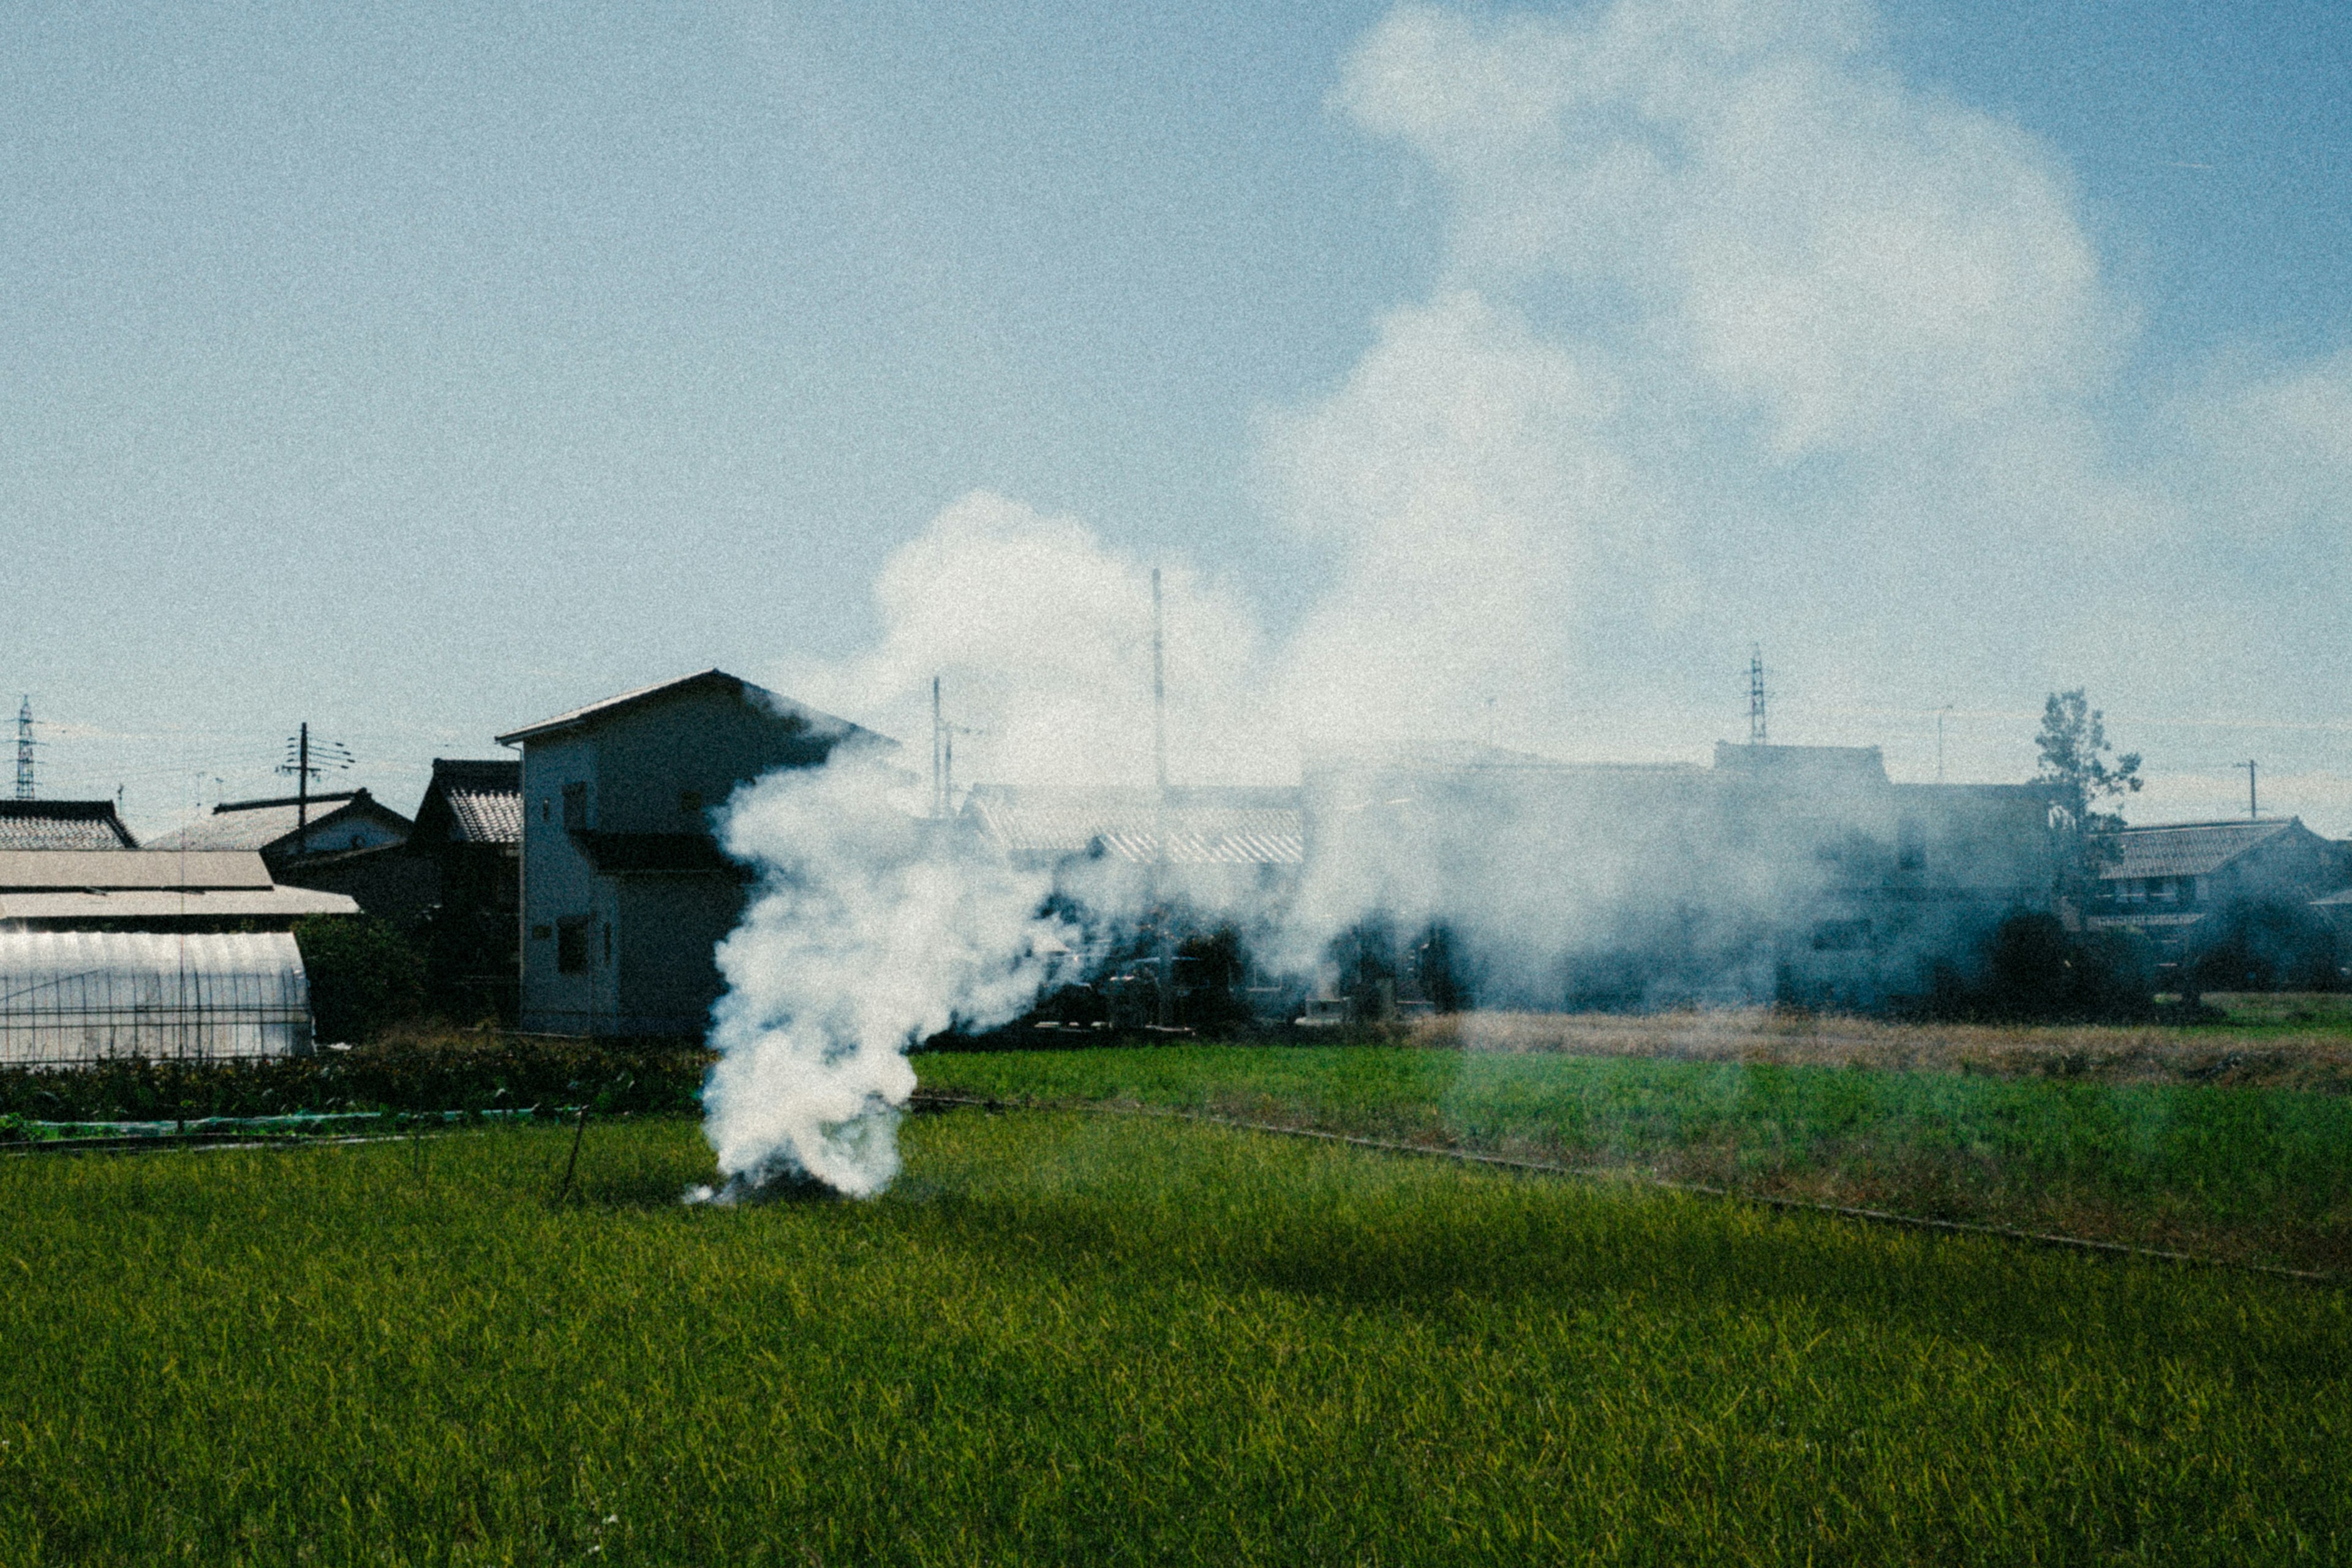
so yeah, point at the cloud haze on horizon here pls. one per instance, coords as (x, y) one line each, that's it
(1734, 330)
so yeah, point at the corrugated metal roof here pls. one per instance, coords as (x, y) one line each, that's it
(62, 824)
(80, 996)
(1205, 826)
(2186, 849)
(258, 825)
(76, 871)
(198, 905)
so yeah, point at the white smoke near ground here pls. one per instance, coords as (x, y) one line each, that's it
(868, 931)
(1736, 335)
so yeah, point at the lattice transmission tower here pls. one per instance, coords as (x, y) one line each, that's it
(1756, 695)
(24, 748)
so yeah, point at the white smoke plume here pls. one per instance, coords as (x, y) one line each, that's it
(1737, 334)
(868, 931)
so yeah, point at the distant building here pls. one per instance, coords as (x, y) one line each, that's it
(152, 890)
(283, 830)
(625, 892)
(469, 832)
(1232, 857)
(62, 824)
(1793, 873)
(2176, 882)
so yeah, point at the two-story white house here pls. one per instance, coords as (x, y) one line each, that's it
(625, 892)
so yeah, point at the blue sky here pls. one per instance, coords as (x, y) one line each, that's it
(422, 373)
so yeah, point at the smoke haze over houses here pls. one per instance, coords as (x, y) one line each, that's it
(1475, 376)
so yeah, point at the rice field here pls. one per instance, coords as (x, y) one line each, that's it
(1085, 1338)
(2251, 1175)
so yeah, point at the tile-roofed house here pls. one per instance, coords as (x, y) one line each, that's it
(2169, 880)
(471, 799)
(62, 824)
(469, 832)
(1206, 825)
(284, 828)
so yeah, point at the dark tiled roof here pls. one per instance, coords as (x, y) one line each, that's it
(62, 824)
(2188, 848)
(1205, 826)
(484, 797)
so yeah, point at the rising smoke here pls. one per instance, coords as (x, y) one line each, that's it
(1734, 329)
(869, 930)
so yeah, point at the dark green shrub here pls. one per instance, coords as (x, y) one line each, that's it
(365, 976)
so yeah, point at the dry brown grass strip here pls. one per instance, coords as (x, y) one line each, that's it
(2101, 1053)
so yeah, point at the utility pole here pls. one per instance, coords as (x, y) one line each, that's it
(939, 757)
(1160, 800)
(24, 748)
(302, 794)
(333, 753)
(1755, 694)
(2253, 808)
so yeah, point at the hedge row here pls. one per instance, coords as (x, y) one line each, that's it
(463, 1072)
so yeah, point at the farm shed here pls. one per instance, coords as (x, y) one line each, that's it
(71, 997)
(151, 890)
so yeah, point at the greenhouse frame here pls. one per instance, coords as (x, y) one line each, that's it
(71, 998)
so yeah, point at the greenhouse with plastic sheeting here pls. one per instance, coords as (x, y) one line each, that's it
(68, 997)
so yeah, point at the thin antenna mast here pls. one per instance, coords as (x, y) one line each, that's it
(1160, 798)
(2253, 807)
(24, 748)
(1755, 694)
(938, 754)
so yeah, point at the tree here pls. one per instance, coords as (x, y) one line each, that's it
(2082, 782)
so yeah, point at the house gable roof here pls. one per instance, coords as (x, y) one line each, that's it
(471, 801)
(265, 824)
(717, 680)
(2193, 848)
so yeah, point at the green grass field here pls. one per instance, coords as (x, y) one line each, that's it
(1100, 1339)
(2257, 1176)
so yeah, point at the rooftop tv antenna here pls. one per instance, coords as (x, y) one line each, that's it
(1755, 694)
(24, 748)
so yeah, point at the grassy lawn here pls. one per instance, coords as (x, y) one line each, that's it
(2261, 1175)
(1089, 1339)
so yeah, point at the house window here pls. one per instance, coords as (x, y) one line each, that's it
(571, 945)
(576, 807)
